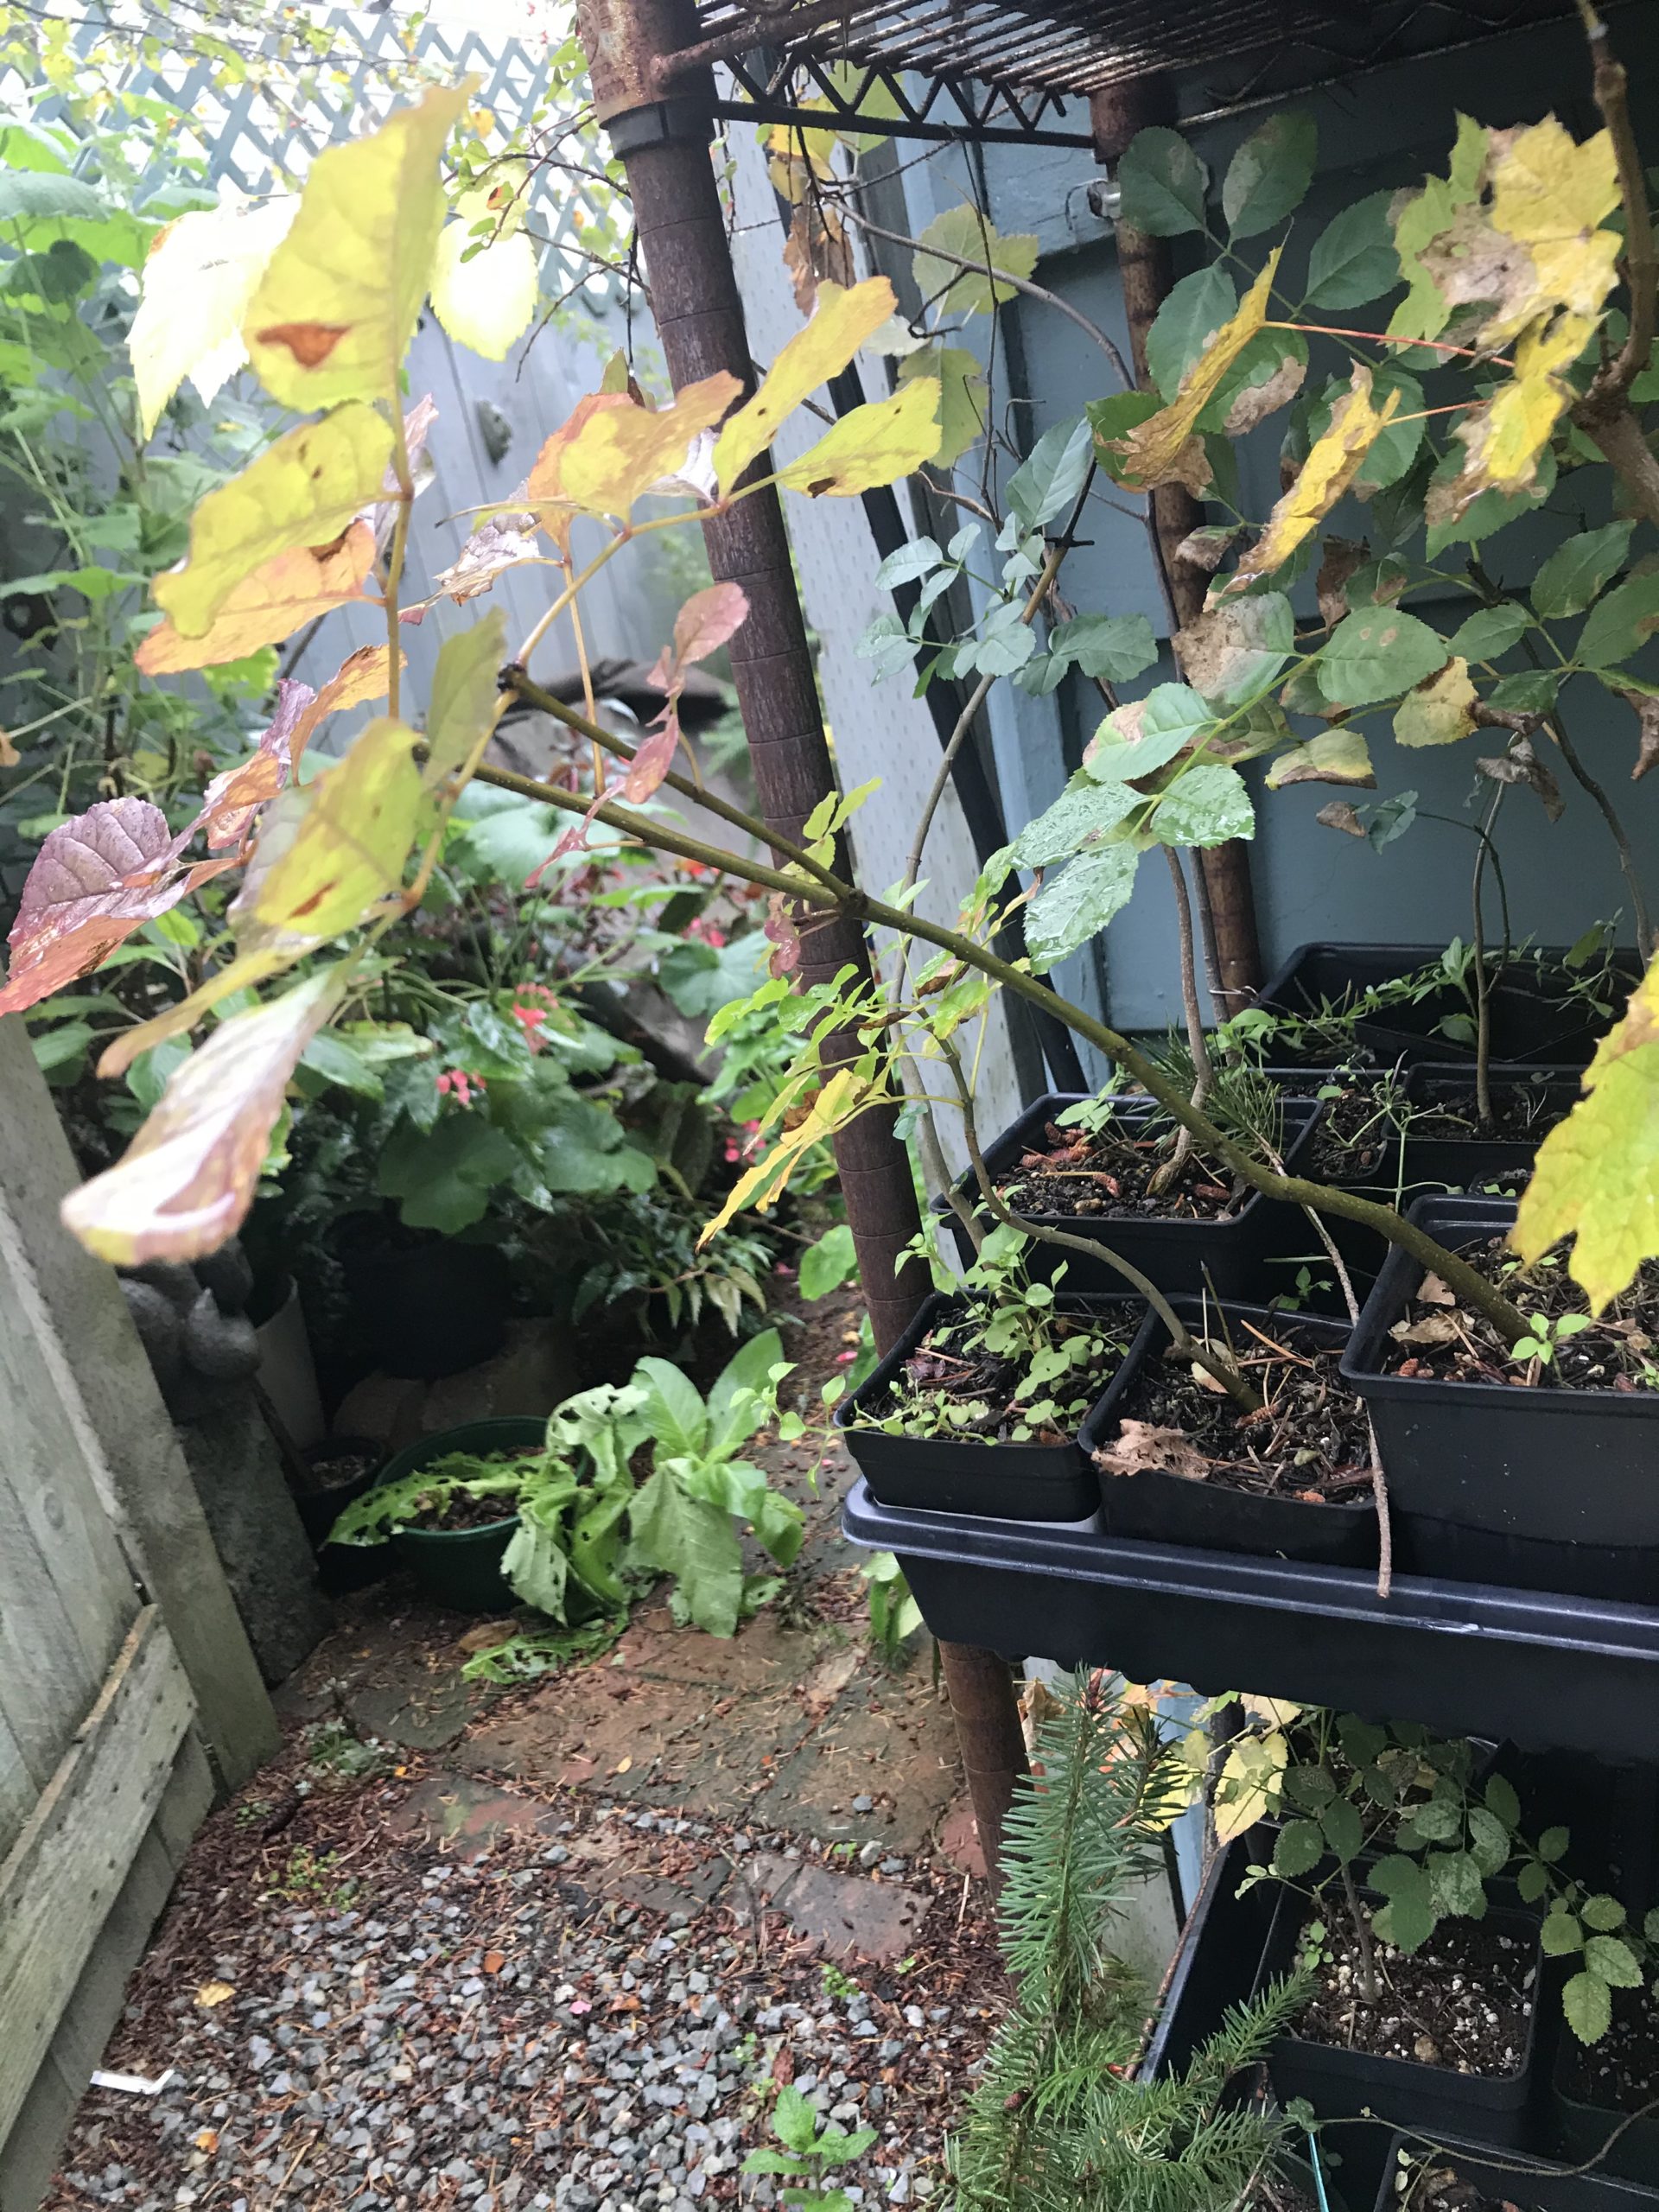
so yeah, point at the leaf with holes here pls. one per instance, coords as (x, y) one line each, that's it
(187, 1179)
(331, 317)
(304, 490)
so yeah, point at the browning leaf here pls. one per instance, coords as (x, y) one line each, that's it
(1343, 558)
(277, 599)
(1142, 1445)
(1520, 765)
(1338, 814)
(1646, 706)
(817, 250)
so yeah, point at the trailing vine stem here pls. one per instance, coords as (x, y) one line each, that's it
(1459, 1277)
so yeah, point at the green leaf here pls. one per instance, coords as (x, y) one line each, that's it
(1455, 1882)
(1603, 1914)
(1207, 806)
(1114, 417)
(1439, 1821)
(1588, 2005)
(1532, 1881)
(1406, 1922)
(1489, 634)
(1530, 691)
(794, 2119)
(1311, 1787)
(1162, 183)
(964, 397)
(1085, 810)
(1376, 652)
(1270, 174)
(747, 1376)
(828, 1262)
(1398, 1877)
(1193, 310)
(1297, 1849)
(1344, 1831)
(1553, 1844)
(1047, 483)
(1113, 647)
(1502, 1802)
(1145, 734)
(1576, 572)
(673, 1406)
(1612, 1959)
(1560, 1935)
(1650, 1925)
(1620, 624)
(1354, 257)
(535, 1566)
(444, 1179)
(1067, 912)
(1488, 1839)
(964, 231)
(464, 694)
(695, 1542)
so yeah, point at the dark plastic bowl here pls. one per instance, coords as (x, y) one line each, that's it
(1226, 1257)
(1165, 1509)
(1541, 1489)
(462, 1567)
(940, 1474)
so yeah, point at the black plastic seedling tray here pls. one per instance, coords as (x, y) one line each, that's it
(1550, 1673)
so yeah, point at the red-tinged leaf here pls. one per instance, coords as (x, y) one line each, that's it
(653, 760)
(362, 676)
(232, 799)
(94, 880)
(702, 626)
(188, 1177)
(779, 926)
(502, 542)
(575, 840)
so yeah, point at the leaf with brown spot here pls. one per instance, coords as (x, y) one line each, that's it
(1335, 756)
(1440, 710)
(310, 343)
(1257, 401)
(1331, 466)
(278, 598)
(1338, 814)
(1156, 451)
(1203, 548)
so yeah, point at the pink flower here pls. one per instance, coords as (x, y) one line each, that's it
(460, 1085)
(845, 1358)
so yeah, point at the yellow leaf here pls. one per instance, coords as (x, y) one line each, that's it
(1279, 1710)
(841, 1100)
(214, 1993)
(276, 600)
(876, 444)
(963, 233)
(1251, 1783)
(199, 277)
(484, 304)
(1596, 1178)
(187, 1179)
(822, 350)
(304, 490)
(1550, 194)
(1437, 209)
(621, 451)
(1505, 437)
(1151, 453)
(1335, 756)
(332, 850)
(1440, 710)
(1330, 469)
(333, 314)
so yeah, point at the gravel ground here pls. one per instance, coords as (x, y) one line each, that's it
(362, 2017)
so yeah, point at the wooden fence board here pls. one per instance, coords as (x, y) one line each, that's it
(64, 1873)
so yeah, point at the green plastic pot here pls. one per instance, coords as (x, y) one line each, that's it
(462, 1567)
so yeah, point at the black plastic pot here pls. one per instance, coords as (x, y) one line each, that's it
(1550, 1673)
(1539, 1489)
(1525, 1027)
(1166, 1508)
(462, 1567)
(1341, 2084)
(1580, 2130)
(1223, 1936)
(1225, 1256)
(1459, 1163)
(342, 1566)
(1533, 2186)
(941, 1474)
(426, 1309)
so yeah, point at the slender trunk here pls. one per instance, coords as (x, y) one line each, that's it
(1203, 1072)
(1370, 1988)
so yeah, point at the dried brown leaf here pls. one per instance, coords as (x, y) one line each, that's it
(1141, 1446)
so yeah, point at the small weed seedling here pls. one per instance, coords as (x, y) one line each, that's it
(808, 2155)
(837, 1984)
(310, 1878)
(1540, 1345)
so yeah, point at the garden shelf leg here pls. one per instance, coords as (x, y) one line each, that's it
(664, 145)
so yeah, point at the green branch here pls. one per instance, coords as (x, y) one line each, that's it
(1297, 1190)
